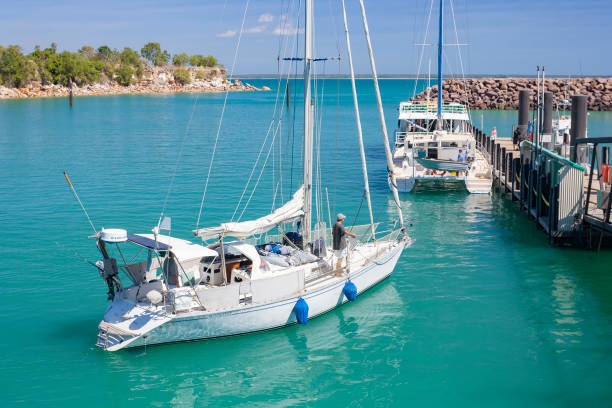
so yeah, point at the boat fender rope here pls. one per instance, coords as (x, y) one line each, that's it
(301, 311)
(350, 291)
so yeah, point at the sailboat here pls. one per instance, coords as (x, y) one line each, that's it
(246, 276)
(433, 143)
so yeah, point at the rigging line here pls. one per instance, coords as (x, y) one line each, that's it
(246, 7)
(333, 16)
(423, 49)
(465, 87)
(299, 22)
(270, 128)
(178, 159)
(263, 167)
(185, 135)
(318, 192)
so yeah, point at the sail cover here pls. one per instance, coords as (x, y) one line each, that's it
(288, 212)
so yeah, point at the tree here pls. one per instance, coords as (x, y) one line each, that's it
(211, 61)
(199, 60)
(69, 66)
(40, 58)
(180, 59)
(182, 76)
(139, 71)
(104, 52)
(154, 54)
(129, 56)
(87, 51)
(196, 60)
(124, 75)
(162, 59)
(15, 68)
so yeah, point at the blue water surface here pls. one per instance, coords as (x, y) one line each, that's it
(481, 311)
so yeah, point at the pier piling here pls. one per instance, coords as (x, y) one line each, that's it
(552, 185)
(579, 122)
(523, 113)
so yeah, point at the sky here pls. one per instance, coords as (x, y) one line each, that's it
(499, 37)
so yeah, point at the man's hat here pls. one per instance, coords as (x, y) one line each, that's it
(340, 216)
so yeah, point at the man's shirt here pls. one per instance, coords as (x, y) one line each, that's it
(338, 234)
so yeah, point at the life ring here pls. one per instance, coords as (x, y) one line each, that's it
(435, 173)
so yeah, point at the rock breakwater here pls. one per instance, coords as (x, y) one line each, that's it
(502, 93)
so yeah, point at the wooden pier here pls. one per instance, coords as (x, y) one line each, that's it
(569, 202)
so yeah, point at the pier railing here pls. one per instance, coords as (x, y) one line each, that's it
(598, 202)
(564, 198)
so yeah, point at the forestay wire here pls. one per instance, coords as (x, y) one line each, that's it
(212, 158)
(180, 153)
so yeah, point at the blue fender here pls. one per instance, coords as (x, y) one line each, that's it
(301, 311)
(350, 291)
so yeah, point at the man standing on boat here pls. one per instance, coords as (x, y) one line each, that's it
(339, 239)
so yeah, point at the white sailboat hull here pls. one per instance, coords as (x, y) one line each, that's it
(320, 298)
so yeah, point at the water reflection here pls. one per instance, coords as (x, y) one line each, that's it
(290, 363)
(566, 330)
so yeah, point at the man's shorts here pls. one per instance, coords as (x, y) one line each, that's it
(340, 253)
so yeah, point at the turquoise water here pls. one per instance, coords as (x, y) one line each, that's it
(479, 312)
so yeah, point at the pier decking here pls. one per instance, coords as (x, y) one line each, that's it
(567, 201)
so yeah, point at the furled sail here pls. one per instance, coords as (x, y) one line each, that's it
(288, 212)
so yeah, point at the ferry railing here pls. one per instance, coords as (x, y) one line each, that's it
(432, 108)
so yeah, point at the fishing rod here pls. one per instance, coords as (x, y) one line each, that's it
(80, 203)
(75, 253)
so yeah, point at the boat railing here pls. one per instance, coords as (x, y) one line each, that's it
(433, 108)
(400, 137)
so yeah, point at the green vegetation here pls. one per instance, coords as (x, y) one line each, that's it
(200, 75)
(153, 53)
(89, 65)
(124, 75)
(182, 76)
(202, 61)
(180, 59)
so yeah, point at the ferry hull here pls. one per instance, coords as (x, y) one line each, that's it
(443, 165)
(247, 319)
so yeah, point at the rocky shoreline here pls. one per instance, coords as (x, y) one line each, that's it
(502, 93)
(156, 80)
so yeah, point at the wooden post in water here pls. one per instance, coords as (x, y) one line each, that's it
(503, 169)
(70, 98)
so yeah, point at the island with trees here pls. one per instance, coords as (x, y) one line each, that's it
(102, 71)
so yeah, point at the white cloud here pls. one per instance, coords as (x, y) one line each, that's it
(265, 18)
(255, 30)
(227, 34)
(286, 29)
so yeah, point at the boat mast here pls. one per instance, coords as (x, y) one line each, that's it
(358, 118)
(440, 67)
(381, 116)
(308, 126)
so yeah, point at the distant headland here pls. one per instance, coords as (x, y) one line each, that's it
(105, 71)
